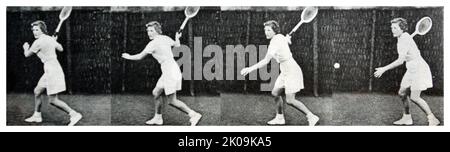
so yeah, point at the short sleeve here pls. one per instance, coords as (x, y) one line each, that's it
(402, 47)
(275, 44)
(150, 48)
(36, 46)
(170, 41)
(271, 50)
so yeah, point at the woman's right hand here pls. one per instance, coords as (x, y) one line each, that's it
(178, 35)
(26, 46)
(126, 55)
(379, 71)
(245, 71)
(288, 39)
(55, 37)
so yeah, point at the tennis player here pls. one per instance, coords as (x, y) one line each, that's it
(52, 80)
(290, 80)
(417, 77)
(160, 47)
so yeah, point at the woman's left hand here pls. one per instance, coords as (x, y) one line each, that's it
(379, 71)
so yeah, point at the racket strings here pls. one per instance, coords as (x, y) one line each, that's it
(309, 14)
(424, 26)
(191, 11)
(65, 12)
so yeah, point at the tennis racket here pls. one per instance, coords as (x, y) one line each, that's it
(423, 26)
(189, 12)
(308, 14)
(65, 13)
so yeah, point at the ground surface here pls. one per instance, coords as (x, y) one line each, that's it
(228, 109)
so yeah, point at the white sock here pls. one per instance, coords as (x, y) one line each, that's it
(192, 113)
(158, 116)
(280, 116)
(72, 113)
(431, 116)
(310, 115)
(38, 114)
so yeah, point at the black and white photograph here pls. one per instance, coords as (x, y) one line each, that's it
(225, 66)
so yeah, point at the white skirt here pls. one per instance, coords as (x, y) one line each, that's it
(53, 78)
(171, 77)
(290, 78)
(418, 75)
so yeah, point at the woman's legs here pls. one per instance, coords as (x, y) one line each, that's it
(158, 100)
(404, 95)
(56, 102)
(173, 101)
(159, 103)
(290, 99)
(415, 97)
(37, 117)
(279, 117)
(278, 100)
(37, 98)
(406, 119)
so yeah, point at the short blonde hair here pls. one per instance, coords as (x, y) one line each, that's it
(155, 25)
(41, 25)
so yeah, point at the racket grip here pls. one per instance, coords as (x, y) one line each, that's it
(59, 26)
(290, 33)
(296, 27)
(414, 34)
(182, 25)
(56, 34)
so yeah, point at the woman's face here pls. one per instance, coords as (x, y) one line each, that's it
(396, 30)
(151, 32)
(269, 32)
(37, 32)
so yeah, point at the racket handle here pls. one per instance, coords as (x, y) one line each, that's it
(59, 26)
(296, 27)
(414, 34)
(180, 30)
(184, 24)
(56, 34)
(290, 33)
(289, 40)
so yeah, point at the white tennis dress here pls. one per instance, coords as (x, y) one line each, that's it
(161, 49)
(53, 78)
(418, 74)
(291, 76)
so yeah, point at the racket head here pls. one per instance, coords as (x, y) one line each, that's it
(65, 12)
(309, 14)
(424, 25)
(191, 11)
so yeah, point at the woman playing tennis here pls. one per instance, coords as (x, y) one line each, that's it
(160, 47)
(290, 80)
(417, 77)
(52, 81)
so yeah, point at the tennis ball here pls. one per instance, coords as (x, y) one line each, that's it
(337, 65)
